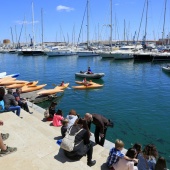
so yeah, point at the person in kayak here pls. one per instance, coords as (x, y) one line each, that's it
(62, 83)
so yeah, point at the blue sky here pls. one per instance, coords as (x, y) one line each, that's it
(63, 19)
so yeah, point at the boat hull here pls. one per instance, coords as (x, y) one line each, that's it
(92, 76)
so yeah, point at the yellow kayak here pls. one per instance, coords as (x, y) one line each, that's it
(7, 79)
(63, 87)
(88, 86)
(8, 82)
(50, 91)
(29, 89)
(19, 85)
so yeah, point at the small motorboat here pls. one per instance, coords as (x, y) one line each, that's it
(166, 69)
(30, 89)
(90, 85)
(92, 75)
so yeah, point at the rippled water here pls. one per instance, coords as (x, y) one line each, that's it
(135, 95)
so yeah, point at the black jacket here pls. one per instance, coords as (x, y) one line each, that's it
(81, 149)
(100, 121)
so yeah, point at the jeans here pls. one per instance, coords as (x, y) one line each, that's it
(13, 108)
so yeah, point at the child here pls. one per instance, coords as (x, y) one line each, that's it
(58, 117)
(115, 154)
(64, 127)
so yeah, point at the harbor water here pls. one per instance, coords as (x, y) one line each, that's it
(136, 96)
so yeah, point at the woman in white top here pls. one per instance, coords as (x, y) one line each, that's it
(124, 164)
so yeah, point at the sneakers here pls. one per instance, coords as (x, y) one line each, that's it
(91, 163)
(7, 151)
(5, 136)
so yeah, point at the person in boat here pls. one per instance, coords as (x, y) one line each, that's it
(101, 124)
(84, 80)
(62, 83)
(89, 70)
(10, 103)
(22, 102)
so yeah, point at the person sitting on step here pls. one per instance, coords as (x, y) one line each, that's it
(10, 103)
(5, 149)
(21, 101)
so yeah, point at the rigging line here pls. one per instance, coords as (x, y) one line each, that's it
(82, 23)
(141, 21)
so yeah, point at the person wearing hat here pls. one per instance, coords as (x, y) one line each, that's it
(10, 103)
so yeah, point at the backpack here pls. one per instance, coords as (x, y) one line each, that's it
(2, 106)
(68, 142)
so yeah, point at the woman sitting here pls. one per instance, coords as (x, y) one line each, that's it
(124, 164)
(49, 114)
(72, 117)
(147, 159)
(161, 164)
(83, 145)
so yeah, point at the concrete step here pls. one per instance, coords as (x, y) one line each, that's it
(37, 148)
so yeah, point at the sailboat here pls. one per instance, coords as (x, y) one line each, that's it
(82, 52)
(34, 51)
(108, 54)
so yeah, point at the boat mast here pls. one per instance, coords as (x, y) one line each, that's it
(87, 23)
(111, 25)
(12, 37)
(164, 24)
(146, 23)
(42, 27)
(33, 38)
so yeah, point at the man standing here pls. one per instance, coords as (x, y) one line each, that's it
(101, 124)
(21, 102)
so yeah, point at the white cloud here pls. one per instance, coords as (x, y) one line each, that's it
(64, 8)
(26, 22)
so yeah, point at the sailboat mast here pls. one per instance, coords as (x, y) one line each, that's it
(12, 37)
(33, 26)
(88, 23)
(146, 20)
(42, 27)
(164, 24)
(111, 24)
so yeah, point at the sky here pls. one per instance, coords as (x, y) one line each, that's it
(63, 20)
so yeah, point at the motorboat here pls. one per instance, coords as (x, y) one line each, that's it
(92, 75)
(166, 69)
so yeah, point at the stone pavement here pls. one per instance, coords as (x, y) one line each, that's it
(36, 144)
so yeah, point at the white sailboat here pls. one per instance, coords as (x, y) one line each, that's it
(82, 52)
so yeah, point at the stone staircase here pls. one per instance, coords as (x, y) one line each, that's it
(37, 148)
